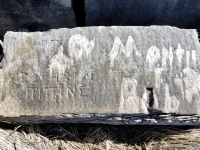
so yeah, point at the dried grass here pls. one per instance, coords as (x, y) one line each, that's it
(97, 137)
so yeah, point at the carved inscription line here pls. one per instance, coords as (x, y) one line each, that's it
(78, 44)
(58, 88)
(154, 54)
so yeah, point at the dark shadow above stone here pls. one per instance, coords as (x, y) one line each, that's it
(179, 13)
(35, 15)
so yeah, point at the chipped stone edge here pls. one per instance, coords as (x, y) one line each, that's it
(110, 119)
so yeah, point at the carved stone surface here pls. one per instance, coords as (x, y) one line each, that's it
(179, 13)
(100, 70)
(35, 15)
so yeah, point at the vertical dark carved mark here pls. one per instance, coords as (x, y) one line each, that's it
(151, 98)
(79, 10)
(151, 102)
(1, 53)
(198, 31)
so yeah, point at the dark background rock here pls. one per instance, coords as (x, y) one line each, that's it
(179, 13)
(79, 10)
(35, 15)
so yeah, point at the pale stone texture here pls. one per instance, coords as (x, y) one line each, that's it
(179, 13)
(100, 70)
(35, 15)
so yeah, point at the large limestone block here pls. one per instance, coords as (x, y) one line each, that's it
(35, 15)
(179, 13)
(100, 70)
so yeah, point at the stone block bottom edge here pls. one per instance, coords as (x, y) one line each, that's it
(110, 119)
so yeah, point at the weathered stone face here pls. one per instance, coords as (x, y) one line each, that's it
(100, 70)
(179, 13)
(35, 15)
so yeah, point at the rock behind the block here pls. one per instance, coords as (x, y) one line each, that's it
(35, 15)
(179, 13)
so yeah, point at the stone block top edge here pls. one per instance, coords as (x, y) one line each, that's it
(108, 27)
